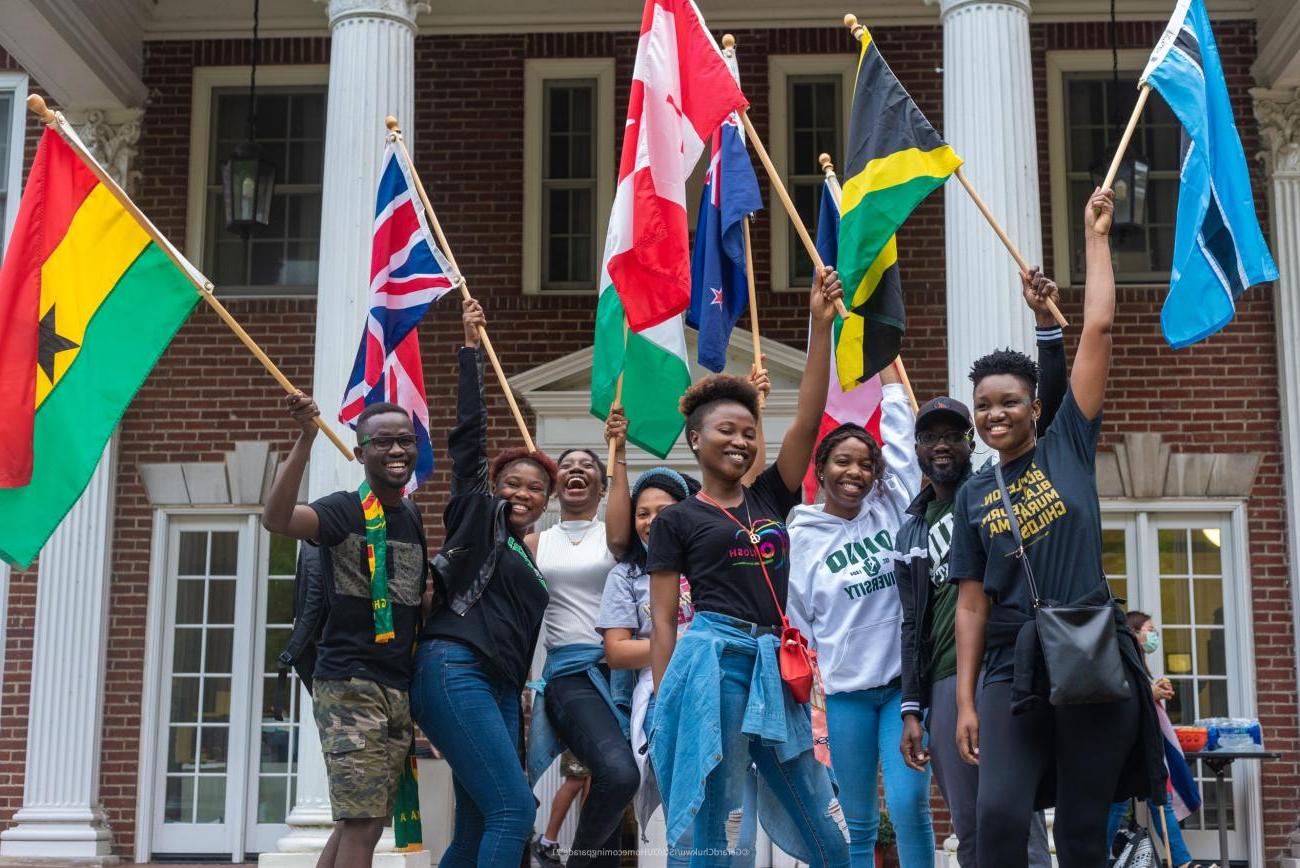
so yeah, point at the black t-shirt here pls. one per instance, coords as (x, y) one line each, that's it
(1054, 491)
(347, 647)
(502, 626)
(694, 538)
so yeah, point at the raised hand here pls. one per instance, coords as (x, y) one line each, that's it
(473, 319)
(826, 290)
(759, 380)
(304, 411)
(616, 429)
(1099, 212)
(1039, 289)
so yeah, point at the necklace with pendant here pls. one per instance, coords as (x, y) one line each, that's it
(582, 537)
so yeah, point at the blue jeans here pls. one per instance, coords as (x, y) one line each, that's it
(865, 728)
(801, 785)
(1177, 847)
(472, 717)
(679, 855)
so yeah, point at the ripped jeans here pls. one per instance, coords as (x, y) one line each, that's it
(802, 785)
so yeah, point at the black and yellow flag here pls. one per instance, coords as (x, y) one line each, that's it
(896, 159)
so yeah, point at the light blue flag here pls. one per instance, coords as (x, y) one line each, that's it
(1219, 250)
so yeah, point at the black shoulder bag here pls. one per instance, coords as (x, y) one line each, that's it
(1079, 644)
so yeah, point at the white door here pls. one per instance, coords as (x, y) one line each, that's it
(204, 698)
(226, 768)
(1181, 568)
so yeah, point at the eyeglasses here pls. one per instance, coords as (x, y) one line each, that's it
(383, 444)
(952, 438)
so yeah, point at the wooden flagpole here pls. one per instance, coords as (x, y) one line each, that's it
(55, 121)
(618, 396)
(395, 133)
(851, 22)
(833, 184)
(1143, 93)
(779, 188)
(729, 49)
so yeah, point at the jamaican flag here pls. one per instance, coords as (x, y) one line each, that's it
(896, 159)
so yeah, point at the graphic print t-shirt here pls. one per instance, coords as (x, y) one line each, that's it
(1053, 490)
(347, 647)
(626, 602)
(943, 609)
(694, 538)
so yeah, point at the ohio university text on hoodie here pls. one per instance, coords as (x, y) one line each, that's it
(842, 595)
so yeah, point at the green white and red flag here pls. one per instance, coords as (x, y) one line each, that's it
(681, 90)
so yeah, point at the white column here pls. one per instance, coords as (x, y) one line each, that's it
(372, 75)
(61, 817)
(988, 118)
(1278, 115)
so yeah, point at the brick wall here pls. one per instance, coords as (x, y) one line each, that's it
(468, 136)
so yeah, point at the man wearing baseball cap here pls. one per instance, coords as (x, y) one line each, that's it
(945, 437)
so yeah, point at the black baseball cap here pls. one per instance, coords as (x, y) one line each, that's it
(936, 408)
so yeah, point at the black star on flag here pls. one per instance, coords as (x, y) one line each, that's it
(52, 343)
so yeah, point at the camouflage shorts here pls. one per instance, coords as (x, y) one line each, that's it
(365, 732)
(572, 767)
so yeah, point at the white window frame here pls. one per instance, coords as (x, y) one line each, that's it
(152, 714)
(16, 83)
(537, 71)
(1144, 516)
(206, 80)
(780, 67)
(1060, 64)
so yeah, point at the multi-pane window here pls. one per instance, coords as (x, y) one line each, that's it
(277, 769)
(290, 129)
(198, 721)
(815, 112)
(8, 151)
(1096, 110)
(569, 243)
(1179, 569)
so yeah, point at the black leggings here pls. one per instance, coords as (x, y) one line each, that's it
(1088, 743)
(589, 729)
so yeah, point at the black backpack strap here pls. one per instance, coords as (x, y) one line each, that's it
(1015, 534)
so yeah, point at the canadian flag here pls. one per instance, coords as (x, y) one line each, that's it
(681, 90)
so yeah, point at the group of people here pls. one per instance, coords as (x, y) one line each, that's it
(664, 624)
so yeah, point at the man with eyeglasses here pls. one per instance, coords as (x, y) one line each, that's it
(945, 438)
(373, 556)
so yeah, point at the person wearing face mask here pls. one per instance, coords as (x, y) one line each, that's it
(1032, 755)
(721, 704)
(1181, 783)
(842, 598)
(580, 704)
(477, 645)
(944, 439)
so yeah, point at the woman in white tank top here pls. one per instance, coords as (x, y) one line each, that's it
(578, 702)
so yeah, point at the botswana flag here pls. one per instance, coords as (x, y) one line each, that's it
(896, 159)
(1219, 250)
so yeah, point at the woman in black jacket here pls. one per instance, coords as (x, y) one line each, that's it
(476, 647)
(944, 441)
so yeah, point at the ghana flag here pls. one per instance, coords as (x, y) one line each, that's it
(896, 159)
(88, 302)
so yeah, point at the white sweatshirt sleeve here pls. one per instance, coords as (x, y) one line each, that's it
(898, 430)
(798, 601)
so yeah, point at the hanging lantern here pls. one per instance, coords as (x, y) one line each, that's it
(248, 178)
(247, 182)
(1130, 188)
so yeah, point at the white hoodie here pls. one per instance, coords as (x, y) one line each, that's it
(842, 595)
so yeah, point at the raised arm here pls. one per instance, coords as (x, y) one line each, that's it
(282, 513)
(1092, 361)
(618, 501)
(797, 447)
(467, 442)
(758, 377)
(1038, 289)
(898, 431)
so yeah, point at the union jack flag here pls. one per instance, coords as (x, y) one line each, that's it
(407, 274)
